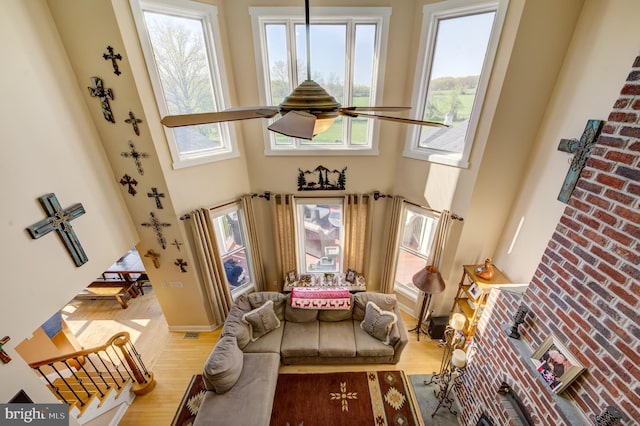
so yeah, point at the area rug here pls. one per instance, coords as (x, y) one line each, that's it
(349, 398)
(188, 408)
(427, 402)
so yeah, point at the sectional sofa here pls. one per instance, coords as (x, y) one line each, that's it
(263, 330)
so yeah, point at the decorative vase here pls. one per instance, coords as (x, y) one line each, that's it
(485, 271)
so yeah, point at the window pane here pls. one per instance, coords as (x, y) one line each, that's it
(229, 229)
(364, 51)
(458, 58)
(322, 245)
(236, 269)
(183, 66)
(278, 62)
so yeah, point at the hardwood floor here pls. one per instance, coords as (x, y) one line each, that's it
(174, 359)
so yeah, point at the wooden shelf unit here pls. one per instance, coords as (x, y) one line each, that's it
(465, 302)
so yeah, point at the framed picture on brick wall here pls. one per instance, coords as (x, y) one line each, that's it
(557, 366)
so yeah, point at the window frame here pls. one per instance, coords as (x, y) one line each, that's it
(208, 15)
(301, 236)
(399, 287)
(432, 13)
(222, 211)
(261, 16)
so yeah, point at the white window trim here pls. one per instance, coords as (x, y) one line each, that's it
(431, 14)
(221, 211)
(263, 15)
(209, 14)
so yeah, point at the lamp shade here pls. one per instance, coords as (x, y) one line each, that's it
(429, 280)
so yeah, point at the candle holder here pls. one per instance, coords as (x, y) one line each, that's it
(452, 365)
(518, 319)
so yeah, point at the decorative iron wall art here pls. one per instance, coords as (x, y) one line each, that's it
(154, 194)
(113, 57)
(322, 179)
(136, 157)
(177, 244)
(180, 263)
(154, 258)
(157, 226)
(134, 122)
(98, 91)
(131, 182)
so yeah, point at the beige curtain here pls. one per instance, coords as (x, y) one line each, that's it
(211, 269)
(394, 225)
(357, 249)
(252, 242)
(284, 214)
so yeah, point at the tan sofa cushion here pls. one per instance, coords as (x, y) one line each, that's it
(269, 343)
(378, 323)
(300, 339)
(261, 320)
(337, 339)
(224, 365)
(386, 302)
(330, 315)
(299, 315)
(368, 346)
(233, 326)
(259, 298)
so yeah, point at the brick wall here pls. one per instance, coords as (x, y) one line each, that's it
(586, 291)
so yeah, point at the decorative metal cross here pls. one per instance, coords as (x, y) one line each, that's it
(128, 180)
(154, 257)
(154, 194)
(134, 122)
(582, 150)
(180, 263)
(113, 58)
(157, 226)
(104, 95)
(4, 357)
(59, 220)
(177, 244)
(136, 157)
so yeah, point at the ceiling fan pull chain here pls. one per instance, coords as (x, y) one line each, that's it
(308, 28)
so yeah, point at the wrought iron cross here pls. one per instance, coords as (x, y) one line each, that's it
(177, 244)
(157, 226)
(60, 220)
(154, 257)
(104, 95)
(4, 357)
(154, 194)
(134, 122)
(180, 263)
(113, 58)
(582, 150)
(128, 180)
(136, 157)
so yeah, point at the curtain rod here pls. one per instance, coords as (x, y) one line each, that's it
(377, 195)
(188, 216)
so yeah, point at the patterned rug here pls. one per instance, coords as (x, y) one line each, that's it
(350, 398)
(188, 408)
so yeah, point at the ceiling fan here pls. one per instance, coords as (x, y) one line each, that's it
(309, 110)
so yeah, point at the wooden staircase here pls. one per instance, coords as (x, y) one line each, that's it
(95, 381)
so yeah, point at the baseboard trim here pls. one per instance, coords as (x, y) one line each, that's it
(192, 328)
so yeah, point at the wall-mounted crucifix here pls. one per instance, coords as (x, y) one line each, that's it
(157, 226)
(128, 180)
(104, 95)
(581, 150)
(136, 157)
(154, 258)
(113, 58)
(180, 263)
(154, 194)
(177, 244)
(60, 220)
(4, 357)
(134, 122)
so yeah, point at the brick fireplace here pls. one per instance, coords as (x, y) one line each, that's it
(586, 291)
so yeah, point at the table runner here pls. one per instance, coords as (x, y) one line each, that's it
(321, 298)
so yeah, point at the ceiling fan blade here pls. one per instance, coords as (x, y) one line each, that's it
(232, 114)
(376, 108)
(391, 118)
(296, 124)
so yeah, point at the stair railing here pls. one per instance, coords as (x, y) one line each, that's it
(77, 376)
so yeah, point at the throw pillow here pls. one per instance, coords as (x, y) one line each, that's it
(261, 320)
(378, 323)
(224, 365)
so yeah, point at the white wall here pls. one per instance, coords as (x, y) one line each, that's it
(598, 59)
(49, 145)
